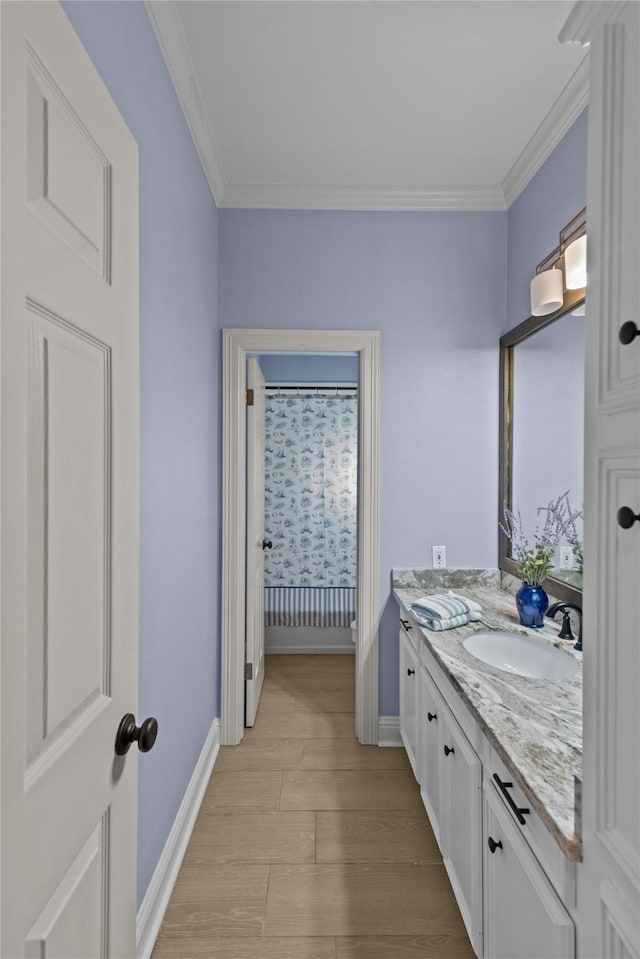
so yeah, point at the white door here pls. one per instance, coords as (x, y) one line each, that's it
(461, 823)
(256, 542)
(69, 453)
(609, 876)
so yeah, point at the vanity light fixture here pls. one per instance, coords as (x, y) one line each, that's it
(565, 268)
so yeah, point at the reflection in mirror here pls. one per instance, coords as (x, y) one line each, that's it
(548, 432)
(542, 368)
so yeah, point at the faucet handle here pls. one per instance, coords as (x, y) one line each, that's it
(565, 629)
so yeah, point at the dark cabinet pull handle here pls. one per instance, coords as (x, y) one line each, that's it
(406, 623)
(267, 544)
(448, 749)
(518, 811)
(431, 717)
(626, 517)
(628, 332)
(128, 733)
(493, 845)
(411, 672)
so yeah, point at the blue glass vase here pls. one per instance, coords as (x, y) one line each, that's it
(532, 603)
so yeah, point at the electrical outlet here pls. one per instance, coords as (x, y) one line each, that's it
(565, 557)
(439, 557)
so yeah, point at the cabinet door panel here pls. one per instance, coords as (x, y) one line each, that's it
(461, 822)
(409, 698)
(430, 749)
(523, 917)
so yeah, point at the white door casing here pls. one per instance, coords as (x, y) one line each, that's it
(69, 505)
(609, 876)
(255, 540)
(236, 345)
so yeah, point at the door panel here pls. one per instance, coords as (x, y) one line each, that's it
(69, 530)
(69, 498)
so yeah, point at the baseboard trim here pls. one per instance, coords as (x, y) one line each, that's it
(294, 650)
(157, 896)
(389, 731)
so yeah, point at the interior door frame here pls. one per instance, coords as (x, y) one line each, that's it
(236, 345)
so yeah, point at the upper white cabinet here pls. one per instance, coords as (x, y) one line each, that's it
(409, 669)
(523, 917)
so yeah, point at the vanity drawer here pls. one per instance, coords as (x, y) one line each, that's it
(560, 871)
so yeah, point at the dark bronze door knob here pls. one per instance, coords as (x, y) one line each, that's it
(628, 332)
(128, 733)
(267, 544)
(626, 517)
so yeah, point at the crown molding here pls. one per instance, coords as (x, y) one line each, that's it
(583, 20)
(567, 108)
(266, 196)
(165, 21)
(586, 18)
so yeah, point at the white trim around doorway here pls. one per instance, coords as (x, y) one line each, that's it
(236, 345)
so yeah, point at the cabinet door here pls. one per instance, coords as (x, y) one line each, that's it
(430, 749)
(523, 917)
(409, 698)
(461, 824)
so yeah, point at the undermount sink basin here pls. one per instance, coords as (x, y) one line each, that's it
(523, 655)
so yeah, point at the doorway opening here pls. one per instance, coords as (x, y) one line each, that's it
(238, 344)
(310, 502)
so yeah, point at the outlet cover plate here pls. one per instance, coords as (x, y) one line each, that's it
(439, 557)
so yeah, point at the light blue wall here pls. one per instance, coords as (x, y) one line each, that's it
(434, 284)
(298, 368)
(179, 415)
(553, 197)
(441, 287)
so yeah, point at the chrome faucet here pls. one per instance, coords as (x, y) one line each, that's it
(565, 632)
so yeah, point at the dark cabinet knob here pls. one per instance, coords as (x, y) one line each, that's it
(267, 544)
(448, 750)
(628, 332)
(431, 717)
(128, 733)
(493, 845)
(626, 517)
(411, 672)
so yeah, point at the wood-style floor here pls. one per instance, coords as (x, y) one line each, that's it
(309, 845)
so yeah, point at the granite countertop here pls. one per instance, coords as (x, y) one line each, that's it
(535, 725)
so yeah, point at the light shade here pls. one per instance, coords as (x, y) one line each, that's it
(546, 292)
(575, 264)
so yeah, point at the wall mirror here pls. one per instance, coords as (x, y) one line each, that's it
(542, 363)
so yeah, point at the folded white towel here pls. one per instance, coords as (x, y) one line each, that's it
(439, 624)
(471, 603)
(445, 611)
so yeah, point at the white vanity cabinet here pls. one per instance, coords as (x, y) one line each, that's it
(515, 899)
(409, 671)
(523, 916)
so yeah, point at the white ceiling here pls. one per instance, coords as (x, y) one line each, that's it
(384, 105)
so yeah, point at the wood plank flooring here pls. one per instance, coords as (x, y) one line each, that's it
(309, 845)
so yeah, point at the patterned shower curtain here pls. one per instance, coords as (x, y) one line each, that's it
(311, 466)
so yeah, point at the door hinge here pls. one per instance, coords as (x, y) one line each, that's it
(248, 397)
(248, 670)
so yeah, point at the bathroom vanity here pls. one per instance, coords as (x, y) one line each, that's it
(498, 760)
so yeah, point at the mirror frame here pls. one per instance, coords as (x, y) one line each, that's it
(572, 298)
